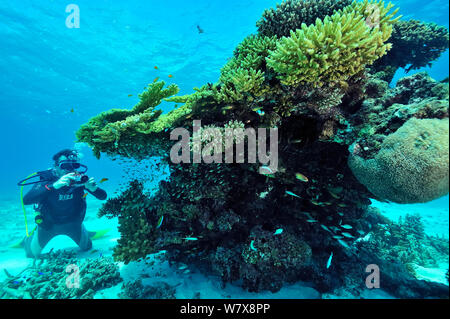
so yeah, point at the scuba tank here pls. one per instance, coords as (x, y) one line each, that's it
(43, 175)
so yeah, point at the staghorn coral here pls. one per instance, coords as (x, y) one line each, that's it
(291, 14)
(252, 51)
(415, 44)
(240, 84)
(243, 77)
(412, 165)
(331, 51)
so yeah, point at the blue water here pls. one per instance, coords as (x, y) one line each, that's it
(47, 69)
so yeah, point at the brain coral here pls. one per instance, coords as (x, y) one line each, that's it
(412, 165)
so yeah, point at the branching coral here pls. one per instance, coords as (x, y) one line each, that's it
(291, 14)
(332, 50)
(117, 130)
(415, 44)
(243, 77)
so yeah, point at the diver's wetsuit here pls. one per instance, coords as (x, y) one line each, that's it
(63, 211)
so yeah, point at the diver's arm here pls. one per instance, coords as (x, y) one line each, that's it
(98, 193)
(39, 192)
(91, 187)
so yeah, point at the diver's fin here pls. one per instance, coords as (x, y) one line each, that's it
(18, 244)
(98, 233)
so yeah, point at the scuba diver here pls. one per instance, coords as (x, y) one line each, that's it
(59, 198)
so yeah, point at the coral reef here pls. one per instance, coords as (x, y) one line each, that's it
(120, 131)
(291, 14)
(136, 290)
(415, 44)
(137, 233)
(332, 50)
(47, 278)
(268, 229)
(406, 241)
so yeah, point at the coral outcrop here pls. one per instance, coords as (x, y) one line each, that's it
(415, 44)
(291, 14)
(311, 83)
(331, 51)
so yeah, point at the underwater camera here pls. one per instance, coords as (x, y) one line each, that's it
(80, 178)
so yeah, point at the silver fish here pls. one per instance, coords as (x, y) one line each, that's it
(348, 235)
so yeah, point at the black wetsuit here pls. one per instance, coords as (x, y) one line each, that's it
(62, 210)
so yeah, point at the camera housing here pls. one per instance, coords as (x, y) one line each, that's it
(80, 178)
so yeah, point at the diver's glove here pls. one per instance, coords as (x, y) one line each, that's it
(64, 181)
(91, 185)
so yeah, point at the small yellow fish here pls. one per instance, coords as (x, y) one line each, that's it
(129, 95)
(103, 180)
(342, 205)
(156, 68)
(155, 79)
(301, 177)
(228, 107)
(85, 194)
(170, 75)
(71, 110)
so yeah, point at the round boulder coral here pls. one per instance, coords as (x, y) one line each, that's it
(412, 165)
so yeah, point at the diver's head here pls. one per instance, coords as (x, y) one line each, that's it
(67, 161)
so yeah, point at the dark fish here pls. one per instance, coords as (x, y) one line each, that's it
(200, 30)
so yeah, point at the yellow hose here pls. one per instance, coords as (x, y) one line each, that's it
(23, 207)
